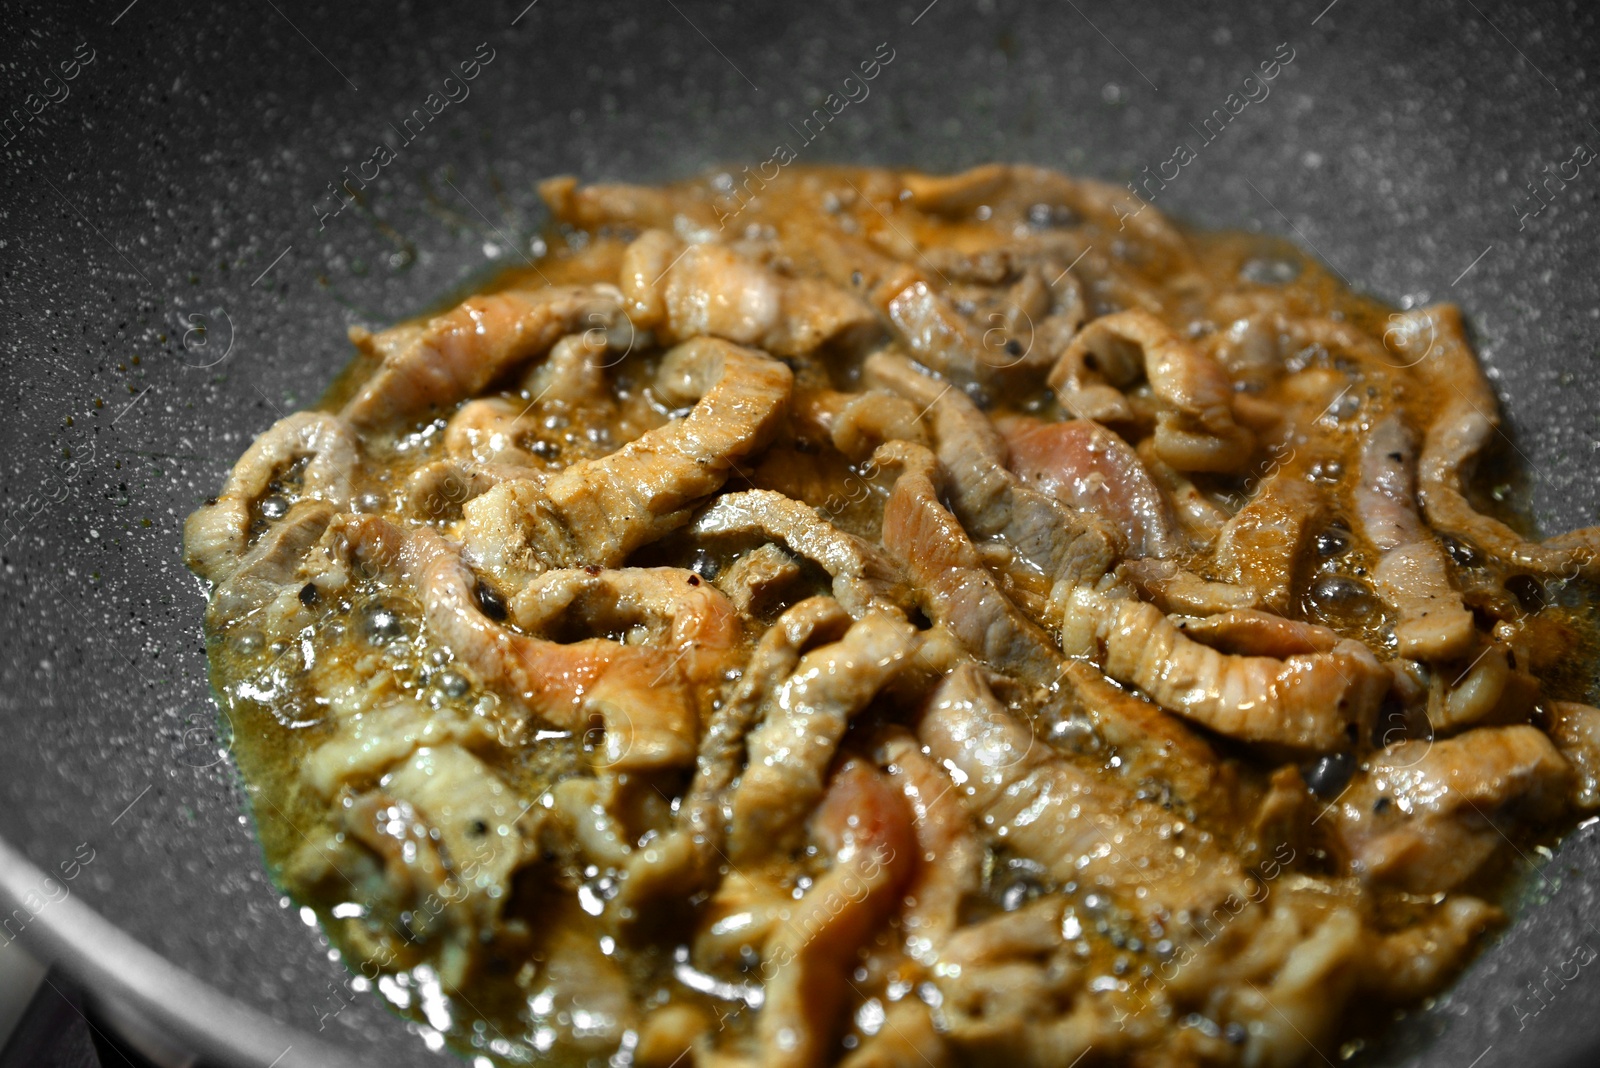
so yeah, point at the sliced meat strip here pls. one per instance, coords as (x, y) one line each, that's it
(500, 532)
(802, 725)
(1487, 689)
(1409, 964)
(1159, 755)
(951, 852)
(590, 1004)
(1009, 986)
(216, 535)
(865, 579)
(1287, 986)
(574, 374)
(1320, 701)
(1575, 729)
(923, 321)
(483, 827)
(1201, 517)
(663, 607)
(864, 825)
(433, 365)
(1082, 464)
(599, 511)
(1422, 815)
(689, 291)
(645, 264)
(990, 500)
(268, 570)
(1248, 632)
(1249, 341)
(613, 204)
(491, 432)
(1433, 340)
(759, 578)
(856, 423)
(376, 824)
(1195, 428)
(1174, 589)
(448, 833)
(1412, 575)
(1029, 298)
(1454, 440)
(935, 333)
(960, 193)
(639, 693)
(949, 579)
(438, 489)
(1111, 206)
(814, 621)
(1081, 826)
(909, 1038)
(1260, 546)
(970, 449)
(371, 736)
(1342, 337)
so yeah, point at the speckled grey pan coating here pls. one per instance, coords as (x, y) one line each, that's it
(185, 171)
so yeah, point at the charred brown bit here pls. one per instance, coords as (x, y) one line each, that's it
(883, 619)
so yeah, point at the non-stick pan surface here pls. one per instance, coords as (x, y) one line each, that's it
(176, 278)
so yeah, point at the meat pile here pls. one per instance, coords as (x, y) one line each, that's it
(949, 620)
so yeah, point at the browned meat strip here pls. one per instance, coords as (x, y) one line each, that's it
(1462, 427)
(686, 291)
(596, 512)
(759, 578)
(990, 500)
(216, 535)
(1423, 816)
(1412, 575)
(1575, 729)
(951, 853)
(661, 607)
(640, 693)
(613, 204)
(1261, 545)
(1082, 464)
(789, 753)
(865, 828)
(1173, 589)
(1248, 632)
(1080, 826)
(857, 423)
(433, 365)
(950, 582)
(865, 579)
(269, 568)
(1195, 428)
(815, 621)
(1319, 701)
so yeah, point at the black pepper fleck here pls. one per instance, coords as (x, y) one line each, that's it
(491, 603)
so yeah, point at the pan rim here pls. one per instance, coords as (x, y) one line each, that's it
(167, 1013)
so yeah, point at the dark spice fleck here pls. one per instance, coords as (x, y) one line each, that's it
(491, 603)
(1327, 775)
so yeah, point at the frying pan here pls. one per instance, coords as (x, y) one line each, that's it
(176, 279)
